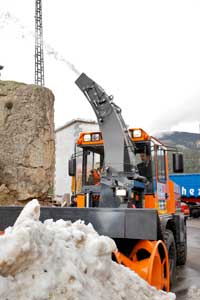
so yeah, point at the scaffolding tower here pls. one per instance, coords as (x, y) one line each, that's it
(39, 54)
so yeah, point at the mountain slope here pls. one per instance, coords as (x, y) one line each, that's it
(188, 144)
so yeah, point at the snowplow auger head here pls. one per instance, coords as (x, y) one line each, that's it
(153, 267)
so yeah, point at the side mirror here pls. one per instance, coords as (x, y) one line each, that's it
(72, 167)
(178, 163)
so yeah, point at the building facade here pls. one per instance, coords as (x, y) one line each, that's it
(66, 137)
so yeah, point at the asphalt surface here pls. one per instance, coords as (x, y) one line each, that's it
(189, 275)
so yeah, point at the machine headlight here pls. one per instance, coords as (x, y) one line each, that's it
(95, 137)
(137, 133)
(121, 192)
(87, 138)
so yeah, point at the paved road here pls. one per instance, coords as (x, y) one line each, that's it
(189, 275)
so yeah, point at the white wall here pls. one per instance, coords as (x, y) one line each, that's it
(65, 141)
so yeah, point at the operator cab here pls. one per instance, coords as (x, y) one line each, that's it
(89, 159)
(150, 162)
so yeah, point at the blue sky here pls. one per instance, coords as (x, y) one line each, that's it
(145, 53)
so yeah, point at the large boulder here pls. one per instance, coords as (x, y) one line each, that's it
(27, 147)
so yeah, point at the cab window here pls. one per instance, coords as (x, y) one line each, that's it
(161, 165)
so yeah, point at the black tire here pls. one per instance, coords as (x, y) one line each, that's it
(181, 249)
(195, 213)
(171, 248)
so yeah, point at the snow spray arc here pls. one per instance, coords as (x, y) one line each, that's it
(6, 18)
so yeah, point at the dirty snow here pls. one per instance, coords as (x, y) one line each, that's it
(64, 261)
(194, 293)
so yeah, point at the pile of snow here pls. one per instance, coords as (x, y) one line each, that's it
(194, 293)
(64, 261)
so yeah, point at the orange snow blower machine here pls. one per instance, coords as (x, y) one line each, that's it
(134, 202)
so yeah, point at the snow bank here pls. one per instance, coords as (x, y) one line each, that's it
(194, 293)
(64, 261)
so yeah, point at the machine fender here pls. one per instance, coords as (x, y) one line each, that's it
(180, 222)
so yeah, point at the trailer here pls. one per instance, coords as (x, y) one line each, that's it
(190, 191)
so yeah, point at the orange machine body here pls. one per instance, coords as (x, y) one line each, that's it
(148, 258)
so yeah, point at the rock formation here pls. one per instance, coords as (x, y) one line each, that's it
(27, 142)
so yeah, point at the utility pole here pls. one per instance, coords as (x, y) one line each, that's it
(1, 68)
(39, 55)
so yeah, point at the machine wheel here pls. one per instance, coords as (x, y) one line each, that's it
(171, 247)
(182, 250)
(195, 213)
